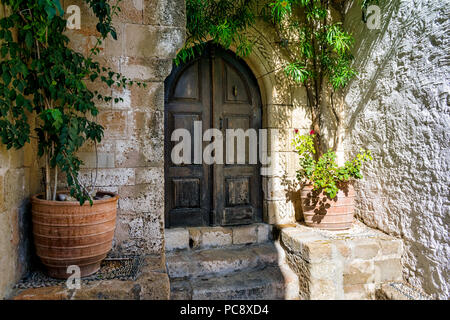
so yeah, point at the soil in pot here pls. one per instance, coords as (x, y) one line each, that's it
(319, 211)
(66, 233)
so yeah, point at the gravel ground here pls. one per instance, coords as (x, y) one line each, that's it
(112, 268)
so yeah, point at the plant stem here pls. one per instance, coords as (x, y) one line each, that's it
(48, 191)
(56, 183)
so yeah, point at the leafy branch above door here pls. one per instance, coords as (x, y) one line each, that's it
(319, 49)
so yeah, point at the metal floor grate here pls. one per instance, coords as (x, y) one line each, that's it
(125, 268)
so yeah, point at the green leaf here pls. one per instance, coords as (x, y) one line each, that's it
(58, 6)
(29, 40)
(51, 12)
(6, 78)
(297, 72)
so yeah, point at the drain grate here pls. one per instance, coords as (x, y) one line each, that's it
(125, 268)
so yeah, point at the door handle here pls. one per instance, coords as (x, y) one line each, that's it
(220, 123)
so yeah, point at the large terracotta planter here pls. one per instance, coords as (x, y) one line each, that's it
(322, 212)
(66, 233)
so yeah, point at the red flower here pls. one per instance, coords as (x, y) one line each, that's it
(311, 132)
(295, 130)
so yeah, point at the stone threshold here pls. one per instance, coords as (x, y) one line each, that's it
(198, 238)
(152, 283)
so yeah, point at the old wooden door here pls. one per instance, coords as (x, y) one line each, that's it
(219, 90)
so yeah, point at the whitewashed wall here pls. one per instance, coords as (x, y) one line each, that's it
(399, 109)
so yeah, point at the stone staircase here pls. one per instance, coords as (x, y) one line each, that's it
(216, 263)
(259, 261)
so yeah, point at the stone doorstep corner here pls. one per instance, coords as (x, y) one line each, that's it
(151, 284)
(348, 264)
(212, 237)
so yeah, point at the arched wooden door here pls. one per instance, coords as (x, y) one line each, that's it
(219, 90)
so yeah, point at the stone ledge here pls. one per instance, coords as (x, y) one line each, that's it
(400, 291)
(347, 264)
(151, 284)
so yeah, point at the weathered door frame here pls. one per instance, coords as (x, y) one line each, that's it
(209, 199)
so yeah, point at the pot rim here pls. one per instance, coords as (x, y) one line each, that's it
(311, 185)
(35, 199)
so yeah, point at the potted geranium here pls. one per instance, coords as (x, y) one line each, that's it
(43, 79)
(327, 192)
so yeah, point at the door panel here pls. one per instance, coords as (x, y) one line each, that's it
(187, 99)
(220, 91)
(235, 88)
(236, 122)
(238, 186)
(237, 191)
(187, 86)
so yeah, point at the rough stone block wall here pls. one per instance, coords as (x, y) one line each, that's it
(348, 264)
(131, 155)
(19, 178)
(399, 109)
(284, 109)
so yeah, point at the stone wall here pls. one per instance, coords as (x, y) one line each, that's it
(131, 155)
(19, 178)
(398, 107)
(284, 109)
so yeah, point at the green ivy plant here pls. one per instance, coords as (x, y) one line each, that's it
(324, 173)
(42, 76)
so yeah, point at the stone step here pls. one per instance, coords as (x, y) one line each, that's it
(263, 284)
(216, 262)
(198, 238)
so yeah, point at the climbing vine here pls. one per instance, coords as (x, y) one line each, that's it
(41, 75)
(317, 46)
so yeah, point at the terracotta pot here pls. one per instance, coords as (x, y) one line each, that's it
(66, 233)
(322, 212)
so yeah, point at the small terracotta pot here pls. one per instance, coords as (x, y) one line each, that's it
(322, 212)
(66, 233)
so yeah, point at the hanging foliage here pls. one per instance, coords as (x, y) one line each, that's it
(41, 75)
(319, 56)
(220, 21)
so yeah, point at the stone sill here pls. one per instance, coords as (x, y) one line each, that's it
(400, 291)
